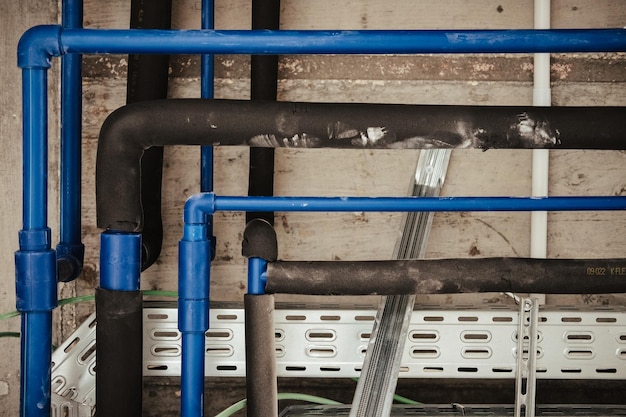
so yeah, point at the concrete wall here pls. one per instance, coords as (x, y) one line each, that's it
(580, 79)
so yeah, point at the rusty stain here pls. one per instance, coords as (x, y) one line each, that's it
(560, 70)
(285, 224)
(474, 251)
(482, 69)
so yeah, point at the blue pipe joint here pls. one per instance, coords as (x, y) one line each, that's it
(198, 207)
(257, 276)
(70, 258)
(120, 261)
(35, 272)
(38, 45)
(194, 252)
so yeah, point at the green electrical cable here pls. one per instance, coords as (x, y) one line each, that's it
(80, 299)
(8, 315)
(405, 400)
(399, 398)
(240, 405)
(76, 300)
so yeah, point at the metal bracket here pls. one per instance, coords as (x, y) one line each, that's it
(330, 342)
(525, 377)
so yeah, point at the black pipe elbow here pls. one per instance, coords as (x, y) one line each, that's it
(259, 240)
(118, 189)
(128, 131)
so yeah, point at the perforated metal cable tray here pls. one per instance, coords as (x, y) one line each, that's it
(327, 342)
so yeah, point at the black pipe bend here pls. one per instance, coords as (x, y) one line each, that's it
(128, 131)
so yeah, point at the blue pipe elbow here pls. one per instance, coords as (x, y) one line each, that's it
(70, 258)
(197, 207)
(37, 45)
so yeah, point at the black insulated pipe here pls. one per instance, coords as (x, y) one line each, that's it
(261, 377)
(263, 86)
(119, 334)
(148, 80)
(448, 276)
(119, 363)
(130, 130)
(259, 241)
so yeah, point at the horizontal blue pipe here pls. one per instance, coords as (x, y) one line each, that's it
(199, 205)
(38, 44)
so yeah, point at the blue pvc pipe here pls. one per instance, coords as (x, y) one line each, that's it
(36, 295)
(199, 205)
(70, 247)
(120, 261)
(342, 42)
(207, 91)
(192, 375)
(257, 268)
(38, 44)
(194, 263)
(35, 148)
(35, 363)
(35, 263)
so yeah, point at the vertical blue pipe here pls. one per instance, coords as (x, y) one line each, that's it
(194, 264)
(193, 342)
(35, 263)
(207, 91)
(257, 268)
(70, 248)
(35, 385)
(35, 147)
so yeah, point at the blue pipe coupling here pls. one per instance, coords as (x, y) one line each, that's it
(120, 261)
(35, 271)
(194, 252)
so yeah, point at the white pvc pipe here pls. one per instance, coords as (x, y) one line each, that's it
(540, 160)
